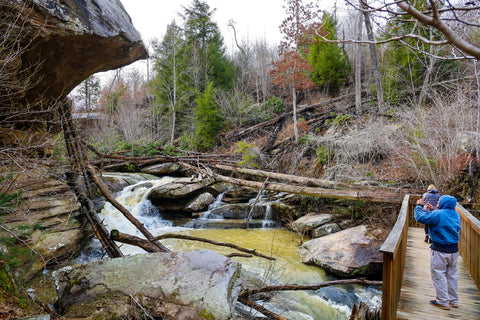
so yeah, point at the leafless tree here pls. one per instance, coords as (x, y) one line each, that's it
(24, 128)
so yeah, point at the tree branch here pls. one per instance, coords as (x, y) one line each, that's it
(223, 244)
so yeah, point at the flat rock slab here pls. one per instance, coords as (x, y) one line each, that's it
(179, 285)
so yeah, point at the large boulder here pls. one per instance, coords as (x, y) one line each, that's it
(353, 252)
(51, 46)
(190, 285)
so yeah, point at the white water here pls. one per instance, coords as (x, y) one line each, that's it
(280, 243)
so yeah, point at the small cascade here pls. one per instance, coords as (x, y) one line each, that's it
(217, 203)
(267, 221)
(268, 237)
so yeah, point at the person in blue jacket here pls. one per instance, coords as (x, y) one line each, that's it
(444, 228)
(430, 201)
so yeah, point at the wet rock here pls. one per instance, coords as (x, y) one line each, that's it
(181, 194)
(311, 221)
(228, 224)
(349, 253)
(200, 202)
(179, 188)
(283, 212)
(189, 285)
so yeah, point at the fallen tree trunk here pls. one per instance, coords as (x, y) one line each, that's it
(352, 194)
(78, 159)
(241, 133)
(311, 181)
(296, 287)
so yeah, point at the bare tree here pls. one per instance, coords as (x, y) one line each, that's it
(373, 53)
(451, 19)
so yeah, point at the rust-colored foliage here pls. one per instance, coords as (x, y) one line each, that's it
(292, 70)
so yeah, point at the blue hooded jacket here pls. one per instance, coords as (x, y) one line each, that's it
(444, 224)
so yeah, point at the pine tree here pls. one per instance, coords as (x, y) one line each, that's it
(208, 121)
(330, 64)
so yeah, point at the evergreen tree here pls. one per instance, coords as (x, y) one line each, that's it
(330, 63)
(208, 121)
(204, 51)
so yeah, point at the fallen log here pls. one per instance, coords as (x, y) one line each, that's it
(78, 159)
(307, 181)
(133, 240)
(239, 134)
(351, 194)
(296, 287)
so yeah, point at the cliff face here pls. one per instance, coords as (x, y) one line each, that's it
(51, 47)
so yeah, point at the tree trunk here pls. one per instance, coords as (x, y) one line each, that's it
(294, 104)
(426, 80)
(311, 181)
(358, 193)
(133, 240)
(373, 53)
(358, 68)
(78, 159)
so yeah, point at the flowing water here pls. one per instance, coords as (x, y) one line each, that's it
(326, 303)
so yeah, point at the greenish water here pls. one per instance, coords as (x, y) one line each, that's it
(287, 268)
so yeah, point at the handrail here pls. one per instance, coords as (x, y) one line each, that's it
(394, 252)
(469, 244)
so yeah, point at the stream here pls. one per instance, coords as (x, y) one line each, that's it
(265, 236)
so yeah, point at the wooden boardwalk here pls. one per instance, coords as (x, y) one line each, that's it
(417, 288)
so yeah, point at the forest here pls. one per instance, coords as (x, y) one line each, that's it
(380, 96)
(391, 98)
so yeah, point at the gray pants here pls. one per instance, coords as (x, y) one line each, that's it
(443, 267)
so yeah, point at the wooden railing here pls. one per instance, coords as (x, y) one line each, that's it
(394, 250)
(395, 247)
(469, 244)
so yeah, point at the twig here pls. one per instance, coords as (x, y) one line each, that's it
(25, 243)
(224, 244)
(141, 307)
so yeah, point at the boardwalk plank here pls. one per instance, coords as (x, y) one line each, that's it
(417, 288)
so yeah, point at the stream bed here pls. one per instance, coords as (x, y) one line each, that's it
(264, 235)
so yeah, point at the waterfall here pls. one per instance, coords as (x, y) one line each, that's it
(326, 303)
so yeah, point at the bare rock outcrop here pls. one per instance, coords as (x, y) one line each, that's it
(353, 252)
(49, 47)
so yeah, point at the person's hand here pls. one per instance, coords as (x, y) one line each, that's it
(420, 201)
(430, 206)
